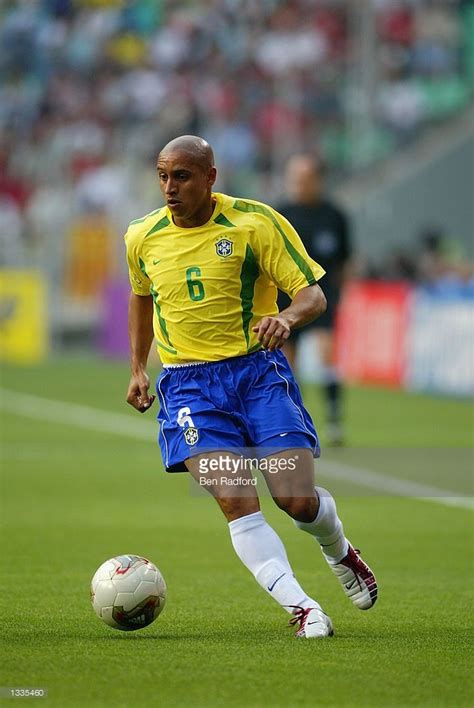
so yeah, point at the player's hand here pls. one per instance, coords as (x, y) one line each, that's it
(272, 332)
(137, 394)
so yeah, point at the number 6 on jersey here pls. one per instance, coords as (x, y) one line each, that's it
(195, 287)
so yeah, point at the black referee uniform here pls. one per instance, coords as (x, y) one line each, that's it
(324, 230)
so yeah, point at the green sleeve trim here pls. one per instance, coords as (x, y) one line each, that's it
(250, 207)
(142, 268)
(224, 221)
(161, 319)
(162, 322)
(162, 223)
(248, 276)
(140, 221)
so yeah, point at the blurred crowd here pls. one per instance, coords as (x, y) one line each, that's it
(90, 89)
(436, 262)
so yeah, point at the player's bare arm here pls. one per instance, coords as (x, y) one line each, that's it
(308, 304)
(140, 331)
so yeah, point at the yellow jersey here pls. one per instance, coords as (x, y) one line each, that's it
(211, 284)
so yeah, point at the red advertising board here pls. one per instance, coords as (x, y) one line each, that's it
(371, 332)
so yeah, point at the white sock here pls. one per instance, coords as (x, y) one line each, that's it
(262, 552)
(327, 528)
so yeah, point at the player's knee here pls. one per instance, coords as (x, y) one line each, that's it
(233, 508)
(299, 508)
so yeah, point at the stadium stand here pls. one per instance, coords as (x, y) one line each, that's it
(91, 88)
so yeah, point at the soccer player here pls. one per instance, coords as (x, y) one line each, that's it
(204, 271)
(324, 230)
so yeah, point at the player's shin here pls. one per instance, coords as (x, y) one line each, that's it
(333, 390)
(327, 527)
(333, 394)
(357, 579)
(262, 552)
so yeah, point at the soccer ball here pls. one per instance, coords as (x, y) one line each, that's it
(128, 592)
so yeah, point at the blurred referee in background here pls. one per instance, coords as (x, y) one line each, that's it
(324, 230)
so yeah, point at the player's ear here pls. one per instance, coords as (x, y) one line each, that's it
(212, 176)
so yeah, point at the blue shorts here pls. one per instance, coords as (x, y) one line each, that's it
(249, 401)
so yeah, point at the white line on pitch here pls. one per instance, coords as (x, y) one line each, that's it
(102, 421)
(394, 486)
(78, 415)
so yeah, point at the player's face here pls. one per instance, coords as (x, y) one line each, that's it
(186, 186)
(303, 180)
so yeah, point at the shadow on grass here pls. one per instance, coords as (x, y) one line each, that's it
(255, 636)
(245, 635)
(135, 637)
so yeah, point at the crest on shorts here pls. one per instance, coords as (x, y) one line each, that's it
(191, 435)
(224, 247)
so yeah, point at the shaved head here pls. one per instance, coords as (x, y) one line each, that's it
(187, 174)
(191, 146)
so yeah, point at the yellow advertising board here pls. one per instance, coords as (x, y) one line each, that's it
(23, 316)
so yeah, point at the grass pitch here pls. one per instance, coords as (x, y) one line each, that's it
(73, 497)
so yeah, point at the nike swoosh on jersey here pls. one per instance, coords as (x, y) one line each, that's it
(282, 435)
(155, 262)
(270, 587)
